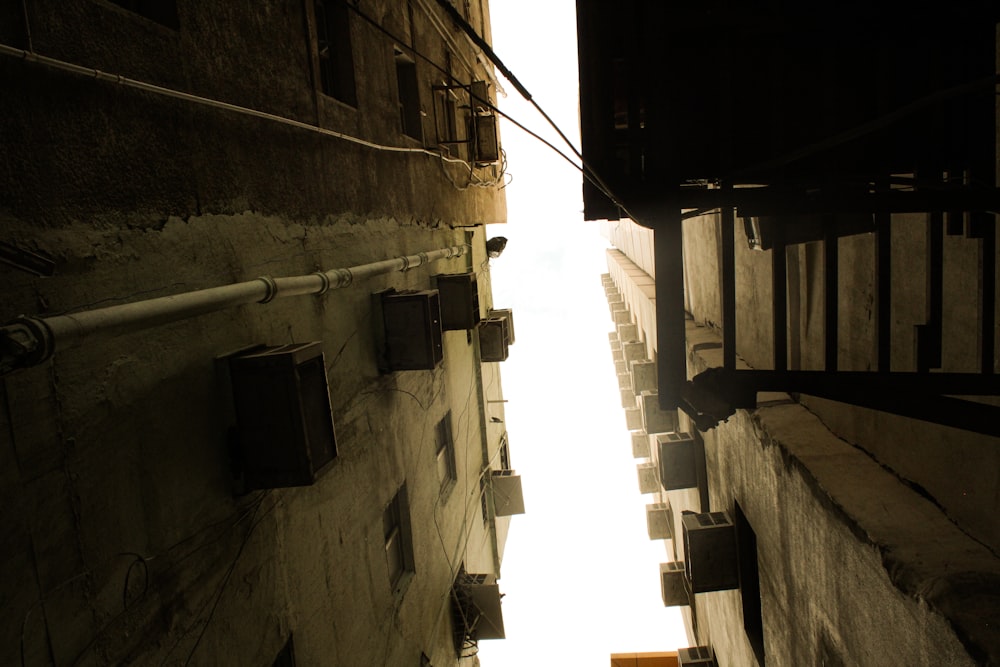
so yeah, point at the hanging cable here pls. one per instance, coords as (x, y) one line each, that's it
(589, 173)
(99, 75)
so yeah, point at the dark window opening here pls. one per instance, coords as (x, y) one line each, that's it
(163, 12)
(482, 499)
(286, 656)
(336, 59)
(398, 539)
(409, 96)
(753, 620)
(445, 452)
(504, 453)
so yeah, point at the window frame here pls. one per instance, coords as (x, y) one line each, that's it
(408, 95)
(444, 454)
(398, 541)
(332, 33)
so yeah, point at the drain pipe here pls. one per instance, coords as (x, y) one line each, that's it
(29, 341)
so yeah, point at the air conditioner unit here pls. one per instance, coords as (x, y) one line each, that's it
(640, 446)
(616, 305)
(633, 419)
(509, 314)
(625, 382)
(634, 351)
(628, 398)
(655, 420)
(616, 344)
(459, 294)
(487, 143)
(696, 656)
(628, 332)
(648, 483)
(284, 424)
(617, 355)
(507, 496)
(643, 376)
(412, 324)
(673, 585)
(621, 316)
(476, 600)
(621, 366)
(677, 454)
(710, 555)
(659, 522)
(493, 337)
(613, 337)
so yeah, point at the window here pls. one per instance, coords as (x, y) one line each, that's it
(409, 96)
(504, 453)
(336, 60)
(753, 621)
(445, 452)
(285, 657)
(483, 503)
(398, 540)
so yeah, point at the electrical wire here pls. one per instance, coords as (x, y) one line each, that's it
(225, 579)
(35, 58)
(240, 516)
(588, 172)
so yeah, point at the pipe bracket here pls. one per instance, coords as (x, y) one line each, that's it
(25, 342)
(272, 288)
(325, 279)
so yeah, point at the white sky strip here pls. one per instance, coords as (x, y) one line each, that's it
(579, 572)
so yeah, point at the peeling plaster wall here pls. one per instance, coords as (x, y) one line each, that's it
(875, 534)
(123, 533)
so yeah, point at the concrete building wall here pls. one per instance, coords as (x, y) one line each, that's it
(867, 552)
(127, 539)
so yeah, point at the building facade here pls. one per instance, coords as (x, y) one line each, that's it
(803, 298)
(252, 403)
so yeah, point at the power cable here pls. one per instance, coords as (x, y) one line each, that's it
(588, 172)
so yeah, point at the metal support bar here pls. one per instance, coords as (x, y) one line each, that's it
(928, 336)
(831, 281)
(779, 291)
(728, 285)
(668, 240)
(988, 293)
(772, 201)
(716, 394)
(883, 287)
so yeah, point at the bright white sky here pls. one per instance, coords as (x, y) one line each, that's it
(579, 573)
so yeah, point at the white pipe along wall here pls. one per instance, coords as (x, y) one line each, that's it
(28, 341)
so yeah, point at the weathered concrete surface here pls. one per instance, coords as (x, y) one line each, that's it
(119, 448)
(844, 548)
(124, 541)
(876, 535)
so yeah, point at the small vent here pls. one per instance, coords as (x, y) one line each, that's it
(284, 421)
(695, 656)
(677, 456)
(412, 326)
(654, 419)
(459, 301)
(508, 498)
(493, 337)
(621, 316)
(710, 554)
(476, 609)
(673, 585)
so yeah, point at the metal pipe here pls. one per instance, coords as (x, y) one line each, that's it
(28, 341)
